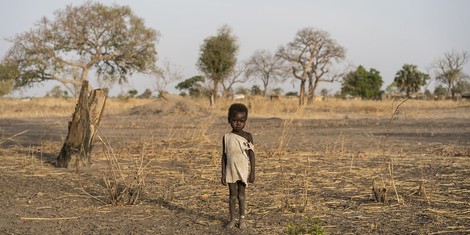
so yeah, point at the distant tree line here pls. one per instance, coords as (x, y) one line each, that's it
(113, 43)
(409, 80)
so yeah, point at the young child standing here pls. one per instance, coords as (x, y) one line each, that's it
(238, 162)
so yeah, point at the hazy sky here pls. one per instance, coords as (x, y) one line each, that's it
(379, 34)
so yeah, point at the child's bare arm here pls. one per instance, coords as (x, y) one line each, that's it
(251, 156)
(223, 164)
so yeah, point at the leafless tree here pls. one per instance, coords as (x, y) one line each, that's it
(311, 56)
(266, 67)
(166, 74)
(449, 70)
(237, 76)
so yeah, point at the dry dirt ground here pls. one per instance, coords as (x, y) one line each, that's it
(315, 173)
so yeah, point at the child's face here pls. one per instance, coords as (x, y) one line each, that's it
(238, 121)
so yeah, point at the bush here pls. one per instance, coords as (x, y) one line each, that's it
(308, 226)
(146, 94)
(57, 92)
(292, 93)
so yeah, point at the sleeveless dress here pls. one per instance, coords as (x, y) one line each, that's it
(238, 163)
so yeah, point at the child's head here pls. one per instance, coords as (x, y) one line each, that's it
(237, 116)
(237, 108)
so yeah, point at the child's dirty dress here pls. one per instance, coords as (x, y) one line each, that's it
(238, 163)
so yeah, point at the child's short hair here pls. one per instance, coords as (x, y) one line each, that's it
(237, 108)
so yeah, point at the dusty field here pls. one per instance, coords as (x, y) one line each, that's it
(315, 164)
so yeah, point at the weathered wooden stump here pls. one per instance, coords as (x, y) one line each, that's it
(76, 151)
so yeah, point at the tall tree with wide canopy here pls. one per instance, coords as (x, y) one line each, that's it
(362, 83)
(311, 55)
(110, 39)
(409, 79)
(266, 67)
(218, 57)
(449, 70)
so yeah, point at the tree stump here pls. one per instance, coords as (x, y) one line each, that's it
(76, 151)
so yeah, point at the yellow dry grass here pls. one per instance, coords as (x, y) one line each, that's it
(344, 109)
(258, 106)
(51, 107)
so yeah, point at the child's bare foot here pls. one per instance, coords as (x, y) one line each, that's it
(242, 224)
(231, 224)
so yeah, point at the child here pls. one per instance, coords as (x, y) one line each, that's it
(238, 161)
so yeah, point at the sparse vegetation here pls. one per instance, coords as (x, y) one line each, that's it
(314, 174)
(307, 226)
(123, 186)
(57, 92)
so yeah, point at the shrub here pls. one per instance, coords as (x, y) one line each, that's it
(307, 226)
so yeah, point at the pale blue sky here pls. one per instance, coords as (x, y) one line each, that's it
(380, 34)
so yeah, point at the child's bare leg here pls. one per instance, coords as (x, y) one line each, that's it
(241, 203)
(231, 203)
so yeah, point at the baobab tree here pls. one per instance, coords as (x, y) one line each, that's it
(311, 55)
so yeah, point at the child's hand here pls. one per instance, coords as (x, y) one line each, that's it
(251, 178)
(224, 182)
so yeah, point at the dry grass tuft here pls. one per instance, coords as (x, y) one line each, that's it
(123, 186)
